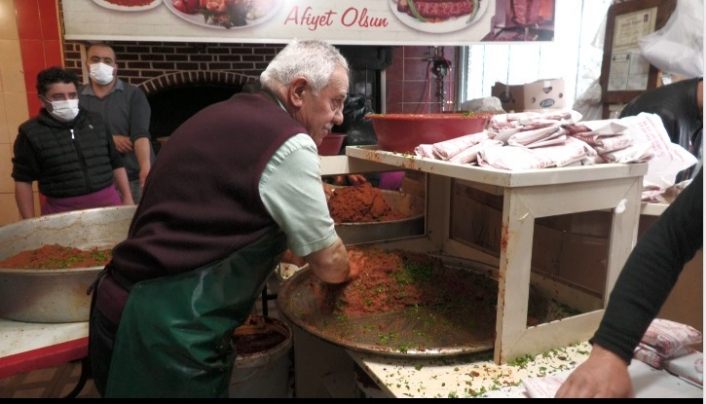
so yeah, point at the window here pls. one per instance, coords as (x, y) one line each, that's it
(572, 55)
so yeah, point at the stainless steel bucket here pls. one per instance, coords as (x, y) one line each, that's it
(56, 295)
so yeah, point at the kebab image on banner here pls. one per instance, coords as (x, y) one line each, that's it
(438, 10)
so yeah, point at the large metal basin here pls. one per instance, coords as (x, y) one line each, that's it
(463, 325)
(56, 295)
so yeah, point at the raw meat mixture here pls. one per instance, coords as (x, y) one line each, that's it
(359, 204)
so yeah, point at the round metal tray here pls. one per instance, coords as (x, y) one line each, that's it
(405, 204)
(415, 331)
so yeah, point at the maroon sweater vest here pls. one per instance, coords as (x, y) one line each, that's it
(201, 201)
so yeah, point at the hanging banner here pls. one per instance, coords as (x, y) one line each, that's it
(346, 22)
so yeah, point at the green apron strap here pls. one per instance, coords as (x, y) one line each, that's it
(174, 337)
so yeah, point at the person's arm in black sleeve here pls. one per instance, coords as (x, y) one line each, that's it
(642, 287)
(25, 170)
(651, 271)
(25, 165)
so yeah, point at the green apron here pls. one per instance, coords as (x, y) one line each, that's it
(174, 337)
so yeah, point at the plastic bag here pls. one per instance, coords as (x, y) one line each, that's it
(678, 46)
(358, 129)
(589, 103)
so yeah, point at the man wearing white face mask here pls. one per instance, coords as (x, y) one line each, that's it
(68, 150)
(124, 109)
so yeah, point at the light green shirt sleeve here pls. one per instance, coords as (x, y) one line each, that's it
(292, 192)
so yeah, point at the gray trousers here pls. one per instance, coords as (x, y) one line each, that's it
(136, 191)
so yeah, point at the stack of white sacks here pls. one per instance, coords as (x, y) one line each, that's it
(669, 345)
(666, 345)
(536, 140)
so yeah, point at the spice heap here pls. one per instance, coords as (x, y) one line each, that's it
(360, 204)
(408, 303)
(54, 256)
(391, 281)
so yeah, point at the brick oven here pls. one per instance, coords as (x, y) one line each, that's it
(171, 72)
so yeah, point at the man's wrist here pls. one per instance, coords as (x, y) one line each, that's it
(604, 354)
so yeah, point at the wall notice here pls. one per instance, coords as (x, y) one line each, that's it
(629, 71)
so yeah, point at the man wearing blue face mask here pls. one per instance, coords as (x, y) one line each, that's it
(125, 110)
(68, 150)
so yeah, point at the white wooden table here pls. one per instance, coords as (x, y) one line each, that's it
(527, 195)
(464, 377)
(30, 346)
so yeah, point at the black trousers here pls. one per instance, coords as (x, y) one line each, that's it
(100, 347)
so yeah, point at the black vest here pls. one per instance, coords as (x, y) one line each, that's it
(202, 201)
(70, 166)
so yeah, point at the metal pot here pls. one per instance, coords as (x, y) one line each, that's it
(412, 225)
(56, 295)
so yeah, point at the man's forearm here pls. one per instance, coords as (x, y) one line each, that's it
(142, 153)
(120, 178)
(24, 199)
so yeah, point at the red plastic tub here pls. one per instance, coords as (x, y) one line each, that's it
(403, 132)
(331, 144)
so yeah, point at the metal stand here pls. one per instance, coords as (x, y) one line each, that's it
(85, 375)
(265, 298)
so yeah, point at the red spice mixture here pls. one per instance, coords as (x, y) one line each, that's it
(404, 302)
(390, 281)
(360, 204)
(54, 256)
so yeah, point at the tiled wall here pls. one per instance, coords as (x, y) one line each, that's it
(29, 42)
(411, 86)
(13, 107)
(40, 42)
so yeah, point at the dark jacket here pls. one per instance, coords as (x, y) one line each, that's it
(67, 158)
(677, 105)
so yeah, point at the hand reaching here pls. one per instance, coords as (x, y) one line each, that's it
(604, 375)
(328, 190)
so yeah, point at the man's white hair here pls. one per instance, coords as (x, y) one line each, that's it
(314, 61)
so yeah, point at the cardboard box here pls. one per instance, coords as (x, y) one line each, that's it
(541, 94)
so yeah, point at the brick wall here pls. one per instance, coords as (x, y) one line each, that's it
(141, 61)
(411, 88)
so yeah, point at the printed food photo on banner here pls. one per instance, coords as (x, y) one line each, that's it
(128, 5)
(438, 16)
(224, 13)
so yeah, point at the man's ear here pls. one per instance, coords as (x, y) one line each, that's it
(296, 92)
(46, 105)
